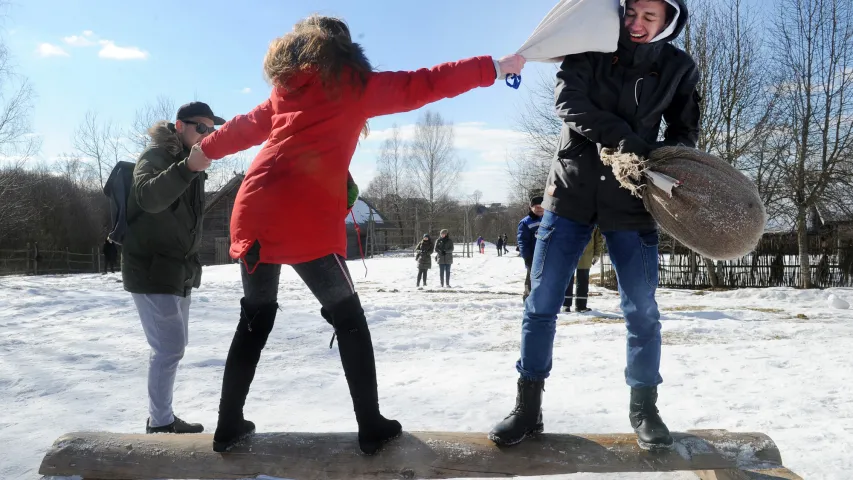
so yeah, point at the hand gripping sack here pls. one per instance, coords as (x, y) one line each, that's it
(703, 202)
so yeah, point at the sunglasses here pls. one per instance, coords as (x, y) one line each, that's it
(200, 127)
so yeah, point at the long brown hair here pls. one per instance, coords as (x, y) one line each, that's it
(317, 43)
(322, 44)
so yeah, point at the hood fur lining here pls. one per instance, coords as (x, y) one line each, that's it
(164, 135)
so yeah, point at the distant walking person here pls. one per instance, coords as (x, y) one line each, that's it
(506, 242)
(581, 277)
(500, 245)
(444, 256)
(481, 244)
(110, 251)
(422, 256)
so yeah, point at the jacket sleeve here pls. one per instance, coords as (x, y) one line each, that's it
(682, 115)
(394, 92)
(352, 191)
(524, 242)
(156, 189)
(575, 107)
(240, 133)
(449, 247)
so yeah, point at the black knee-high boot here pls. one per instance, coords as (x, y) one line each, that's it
(356, 349)
(256, 323)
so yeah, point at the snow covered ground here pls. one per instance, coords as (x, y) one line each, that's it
(73, 357)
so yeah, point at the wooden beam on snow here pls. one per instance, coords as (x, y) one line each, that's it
(415, 455)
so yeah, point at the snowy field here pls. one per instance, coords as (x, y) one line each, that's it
(73, 357)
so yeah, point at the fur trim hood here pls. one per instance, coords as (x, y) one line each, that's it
(163, 135)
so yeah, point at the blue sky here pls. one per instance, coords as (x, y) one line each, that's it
(113, 57)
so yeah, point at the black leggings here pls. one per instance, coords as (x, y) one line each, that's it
(327, 277)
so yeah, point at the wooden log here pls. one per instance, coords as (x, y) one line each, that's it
(422, 455)
(780, 473)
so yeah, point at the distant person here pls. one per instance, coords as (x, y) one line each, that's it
(500, 245)
(526, 237)
(159, 263)
(506, 242)
(110, 251)
(422, 256)
(444, 256)
(581, 277)
(481, 244)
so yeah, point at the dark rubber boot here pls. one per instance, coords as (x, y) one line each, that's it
(525, 419)
(356, 349)
(256, 323)
(652, 433)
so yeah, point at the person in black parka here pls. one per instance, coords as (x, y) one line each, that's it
(614, 100)
(422, 256)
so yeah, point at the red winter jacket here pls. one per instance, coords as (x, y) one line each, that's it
(310, 139)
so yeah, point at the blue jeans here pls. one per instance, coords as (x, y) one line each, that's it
(559, 245)
(444, 273)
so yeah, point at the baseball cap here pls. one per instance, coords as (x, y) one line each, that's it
(198, 109)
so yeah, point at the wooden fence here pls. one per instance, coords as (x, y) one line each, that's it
(35, 261)
(687, 270)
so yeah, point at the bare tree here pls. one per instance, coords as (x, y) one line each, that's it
(528, 167)
(17, 143)
(390, 187)
(538, 120)
(477, 197)
(813, 52)
(433, 167)
(724, 41)
(100, 146)
(222, 171)
(162, 108)
(73, 168)
(528, 173)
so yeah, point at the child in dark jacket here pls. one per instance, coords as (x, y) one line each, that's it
(527, 228)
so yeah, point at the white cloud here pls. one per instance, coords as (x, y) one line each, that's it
(111, 51)
(84, 40)
(246, 90)
(48, 50)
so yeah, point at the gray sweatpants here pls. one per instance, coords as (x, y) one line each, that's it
(165, 320)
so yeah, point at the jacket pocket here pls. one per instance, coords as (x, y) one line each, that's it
(649, 241)
(570, 145)
(543, 239)
(167, 271)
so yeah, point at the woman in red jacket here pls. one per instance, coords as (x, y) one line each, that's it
(324, 91)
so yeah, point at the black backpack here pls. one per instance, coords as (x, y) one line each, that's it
(117, 189)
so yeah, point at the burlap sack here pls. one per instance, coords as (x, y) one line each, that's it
(702, 201)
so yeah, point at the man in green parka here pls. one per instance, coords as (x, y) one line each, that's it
(160, 263)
